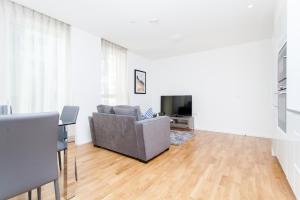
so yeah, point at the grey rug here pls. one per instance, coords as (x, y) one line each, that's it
(180, 137)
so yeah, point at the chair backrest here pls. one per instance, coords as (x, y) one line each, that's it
(69, 114)
(28, 145)
(5, 110)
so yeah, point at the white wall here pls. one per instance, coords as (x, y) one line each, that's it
(232, 87)
(138, 62)
(85, 79)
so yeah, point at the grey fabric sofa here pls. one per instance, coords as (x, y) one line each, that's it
(125, 133)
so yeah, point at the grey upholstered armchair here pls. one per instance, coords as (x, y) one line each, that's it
(28, 153)
(142, 139)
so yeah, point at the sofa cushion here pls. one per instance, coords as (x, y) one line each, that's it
(139, 113)
(148, 114)
(137, 108)
(128, 110)
(105, 109)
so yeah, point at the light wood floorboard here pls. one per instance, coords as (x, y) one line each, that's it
(210, 166)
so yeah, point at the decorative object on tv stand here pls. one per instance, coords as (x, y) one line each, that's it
(139, 82)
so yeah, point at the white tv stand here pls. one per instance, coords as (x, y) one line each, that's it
(182, 122)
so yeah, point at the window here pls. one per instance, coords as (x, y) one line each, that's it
(114, 74)
(36, 49)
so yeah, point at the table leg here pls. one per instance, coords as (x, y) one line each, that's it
(65, 171)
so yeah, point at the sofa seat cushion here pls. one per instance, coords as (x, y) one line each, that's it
(105, 109)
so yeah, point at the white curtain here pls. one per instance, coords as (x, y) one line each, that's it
(34, 58)
(114, 74)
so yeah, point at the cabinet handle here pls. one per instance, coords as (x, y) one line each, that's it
(281, 92)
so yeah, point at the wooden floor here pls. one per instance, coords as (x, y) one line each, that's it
(210, 166)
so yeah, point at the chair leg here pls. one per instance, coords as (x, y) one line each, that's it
(56, 188)
(76, 175)
(39, 193)
(59, 160)
(29, 195)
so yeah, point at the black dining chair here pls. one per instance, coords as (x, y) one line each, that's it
(68, 117)
(28, 153)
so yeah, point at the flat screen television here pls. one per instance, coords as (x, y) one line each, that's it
(176, 106)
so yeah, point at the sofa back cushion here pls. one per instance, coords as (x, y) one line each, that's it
(129, 111)
(105, 109)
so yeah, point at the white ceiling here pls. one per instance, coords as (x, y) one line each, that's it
(184, 26)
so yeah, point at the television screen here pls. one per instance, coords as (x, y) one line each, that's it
(176, 105)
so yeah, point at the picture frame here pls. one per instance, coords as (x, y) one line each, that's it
(139, 82)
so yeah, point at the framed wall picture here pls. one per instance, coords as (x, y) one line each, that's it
(139, 82)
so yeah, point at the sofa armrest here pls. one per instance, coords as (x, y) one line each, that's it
(156, 135)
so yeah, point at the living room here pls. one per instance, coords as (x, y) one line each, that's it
(80, 59)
